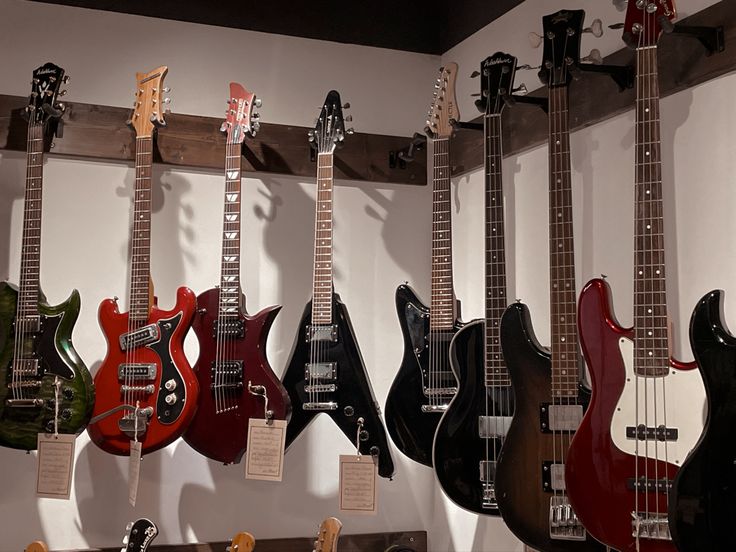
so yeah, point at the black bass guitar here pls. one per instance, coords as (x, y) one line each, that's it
(326, 373)
(425, 383)
(549, 401)
(702, 506)
(44, 385)
(471, 432)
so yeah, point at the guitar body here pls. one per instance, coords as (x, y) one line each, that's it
(524, 504)
(52, 346)
(166, 355)
(458, 448)
(412, 430)
(223, 435)
(600, 461)
(353, 395)
(702, 505)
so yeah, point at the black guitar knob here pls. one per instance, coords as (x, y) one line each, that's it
(68, 393)
(364, 435)
(50, 426)
(66, 414)
(375, 451)
(348, 411)
(50, 404)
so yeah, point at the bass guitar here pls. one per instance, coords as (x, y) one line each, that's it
(326, 373)
(425, 383)
(146, 388)
(472, 430)
(625, 455)
(44, 385)
(549, 401)
(232, 362)
(139, 535)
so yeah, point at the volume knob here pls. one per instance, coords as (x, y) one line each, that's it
(170, 398)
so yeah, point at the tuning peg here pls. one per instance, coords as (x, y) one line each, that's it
(348, 118)
(620, 4)
(167, 89)
(596, 28)
(535, 40)
(257, 102)
(474, 74)
(594, 57)
(346, 105)
(35, 81)
(521, 90)
(255, 127)
(66, 79)
(310, 134)
(255, 116)
(167, 100)
(350, 131)
(62, 92)
(224, 126)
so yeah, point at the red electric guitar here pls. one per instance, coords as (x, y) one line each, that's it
(638, 429)
(236, 380)
(146, 389)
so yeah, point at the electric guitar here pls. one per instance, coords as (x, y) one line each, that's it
(549, 401)
(37, 546)
(139, 535)
(425, 383)
(625, 455)
(242, 542)
(44, 385)
(235, 378)
(326, 373)
(146, 390)
(472, 430)
(329, 531)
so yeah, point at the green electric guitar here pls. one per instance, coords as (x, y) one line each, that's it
(44, 385)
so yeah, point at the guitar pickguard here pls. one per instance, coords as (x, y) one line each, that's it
(168, 412)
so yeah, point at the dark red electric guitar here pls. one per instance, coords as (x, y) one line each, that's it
(639, 425)
(146, 389)
(236, 380)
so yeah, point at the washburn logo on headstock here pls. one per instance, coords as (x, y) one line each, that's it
(562, 16)
(46, 71)
(150, 534)
(496, 61)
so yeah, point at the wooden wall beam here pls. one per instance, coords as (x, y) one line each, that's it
(595, 97)
(100, 132)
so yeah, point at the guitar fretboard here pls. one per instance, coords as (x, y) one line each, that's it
(651, 344)
(140, 233)
(442, 310)
(496, 373)
(565, 366)
(31, 248)
(231, 228)
(322, 287)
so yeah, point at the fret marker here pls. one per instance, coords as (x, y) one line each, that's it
(641, 272)
(232, 175)
(564, 372)
(557, 142)
(646, 110)
(494, 229)
(646, 153)
(562, 318)
(562, 339)
(656, 271)
(563, 357)
(231, 198)
(649, 226)
(649, 311)
(651, 353)
(554, 286)
(648, 192)
(650, 332)
(231, 218)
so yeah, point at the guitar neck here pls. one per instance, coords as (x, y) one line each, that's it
(140, 233)
(322, 288)
(651, 344)
(31, 248)
(496, 373)
(443, 306)
(565, 368)
(231, 226)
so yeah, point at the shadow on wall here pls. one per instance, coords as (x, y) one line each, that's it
(12, 187)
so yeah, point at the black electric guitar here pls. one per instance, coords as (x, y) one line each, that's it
(471, 433)
(425, 383)
(326, 372)
(139, 535)
(549, 402)
(44, 385)
(702, 505)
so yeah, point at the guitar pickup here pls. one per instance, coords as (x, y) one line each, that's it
(320, 371)
(487, 471)
(322, 333)
(136, 371)
(650, 485)
(560, 417)
(644, 433)
(490, 427)
(27, 368)
(234, 329)
(553, 476)
(28, 324)
(137, 338)
(226, 375)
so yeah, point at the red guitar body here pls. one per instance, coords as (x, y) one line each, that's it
(596, 470)
(159, 361)
(221, 432)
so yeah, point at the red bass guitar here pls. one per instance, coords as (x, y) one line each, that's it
(637, 429)
(146, 390)
(235, 377)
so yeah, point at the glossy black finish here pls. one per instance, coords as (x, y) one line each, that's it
(354, 395)
(458, 449)
(412, 430)
(523, 503)
(702, 509)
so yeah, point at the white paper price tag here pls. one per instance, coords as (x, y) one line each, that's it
(358, 490)
(134, 471)
(55, 465)
(264, 458)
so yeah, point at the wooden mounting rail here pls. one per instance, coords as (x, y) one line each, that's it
(595, 98)
(100, 132)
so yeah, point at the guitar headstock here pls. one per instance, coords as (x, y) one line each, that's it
(329, 131)
(240, 120)
(149, 106)
(139, 535)
(45, 90)
(644, 21)
(326, 540)
(496, 82)
(443, 110)
(562, 31)
(242, 542)
(37, 546)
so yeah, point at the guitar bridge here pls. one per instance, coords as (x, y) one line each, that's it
(127, 424)
(563, 521)
(645, 525)
(331, 405)
(138, 338)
